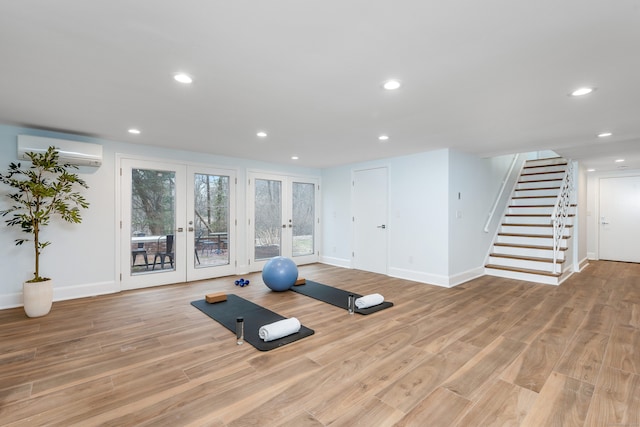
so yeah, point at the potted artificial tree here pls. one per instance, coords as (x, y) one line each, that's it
(42, 191)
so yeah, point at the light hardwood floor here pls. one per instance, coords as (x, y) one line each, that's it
(490, 352)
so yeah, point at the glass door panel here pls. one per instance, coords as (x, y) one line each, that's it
(303, 218)
(153, 220)
(153, 240)
(267, 219)
(211, 220)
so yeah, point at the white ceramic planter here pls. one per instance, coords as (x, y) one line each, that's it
(37, 298)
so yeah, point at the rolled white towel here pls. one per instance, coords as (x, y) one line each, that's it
(369, 300)
(279, 329)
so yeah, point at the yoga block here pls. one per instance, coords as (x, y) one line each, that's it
(300, 281)
(217, 297)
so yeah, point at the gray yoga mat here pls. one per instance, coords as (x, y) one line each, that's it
(335, 296)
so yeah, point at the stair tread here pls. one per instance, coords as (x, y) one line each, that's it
(526, 258)
(531, 206)
(516, 245)
(539, 188)
(553, 196)
(545, 236)
(540, 180)
(523, 270)
(532, 214)
(533, 225)
(545, 166)
(541, 173)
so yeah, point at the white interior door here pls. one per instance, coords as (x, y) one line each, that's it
(370, 211)
(283, 219)
(620, 219)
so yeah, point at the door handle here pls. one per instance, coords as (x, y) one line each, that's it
(382, 226)
(180, 230)
(604, 223)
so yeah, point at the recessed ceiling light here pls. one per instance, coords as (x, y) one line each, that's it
(134, 131)
(591, 170)
(391, 85)
(294, 157)
(383, 137)
(604, 134)
(261, 134)
(582, 91)
(183, 78)
(619, 160)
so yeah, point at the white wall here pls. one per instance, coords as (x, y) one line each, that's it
(427, 243)
(474, 186)
(82, 257)
(580, 227)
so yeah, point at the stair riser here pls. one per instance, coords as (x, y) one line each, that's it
(546, 162)
(527, 252)
(534, 201)
(542, 220)
(529, 185)
(523, 229)
(522, 276)
(543, 169)
(544, 176)
(531, 210)
(530, 241)
(528, 264)
(553, 192)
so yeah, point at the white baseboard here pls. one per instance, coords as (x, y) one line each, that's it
(461, 278)
(64, 293)
(11, 300)
(86, 290)
(582, 264)
(419, 276)
(337, 262)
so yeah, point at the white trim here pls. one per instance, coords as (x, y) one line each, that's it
(337, 262)
(85, 290)
(65, 293)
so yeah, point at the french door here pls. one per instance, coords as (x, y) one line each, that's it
(177, 223)
(283, 219)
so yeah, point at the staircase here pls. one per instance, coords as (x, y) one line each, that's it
(524, 245)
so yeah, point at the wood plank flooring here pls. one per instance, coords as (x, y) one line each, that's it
(490, 352)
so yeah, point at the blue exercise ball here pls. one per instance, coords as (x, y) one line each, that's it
(280, 273)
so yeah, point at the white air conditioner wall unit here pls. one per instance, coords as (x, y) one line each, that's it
(73, 152)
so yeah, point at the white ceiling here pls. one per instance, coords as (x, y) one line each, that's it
(486, 77)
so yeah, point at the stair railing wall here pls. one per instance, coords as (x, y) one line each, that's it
(508, 178)
(561, 212)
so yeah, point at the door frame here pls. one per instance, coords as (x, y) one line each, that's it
(194, 273)
(353, 213)
(285, 247)
(120, 221)
(597, 201)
